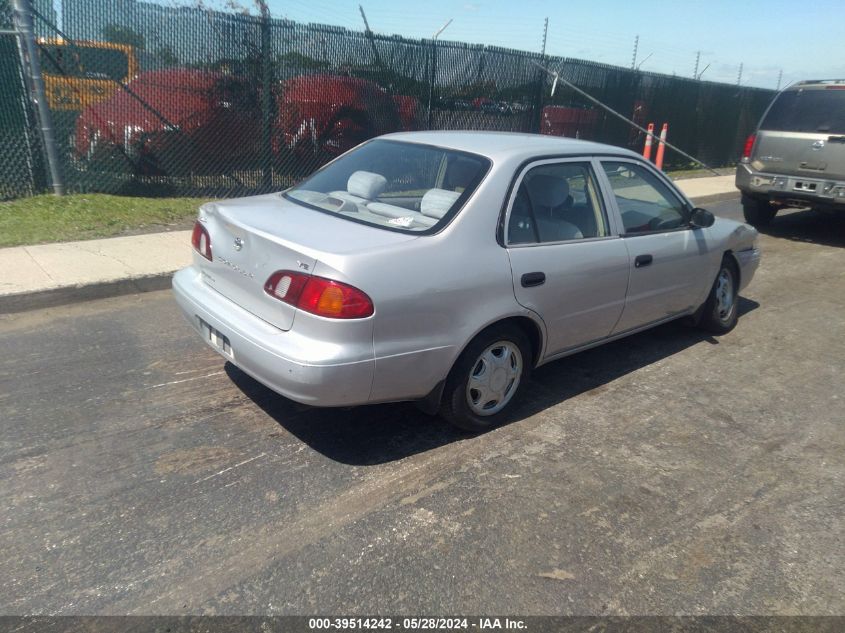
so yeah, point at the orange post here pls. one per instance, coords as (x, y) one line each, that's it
(647, 148)
(661, 147)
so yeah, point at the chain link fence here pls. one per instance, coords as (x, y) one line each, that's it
(21, 168)
(163, 99)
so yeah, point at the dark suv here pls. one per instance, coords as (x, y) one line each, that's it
(797, 156)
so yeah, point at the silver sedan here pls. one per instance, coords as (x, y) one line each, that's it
(441, 267)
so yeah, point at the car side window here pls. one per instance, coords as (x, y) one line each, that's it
(645, 203)
(554, 203)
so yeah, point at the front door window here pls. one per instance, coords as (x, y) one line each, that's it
(645, 203)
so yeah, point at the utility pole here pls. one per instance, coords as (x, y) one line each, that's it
(266, 104)
(366, 24)
(434, 66)
(369, 35)
(634, 58)
(610, 110)
(697, 58)
(739, 75)
(545, 32)
(780, 76)
(32, 66)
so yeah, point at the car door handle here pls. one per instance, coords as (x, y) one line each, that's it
(642, 260)
(530, 280)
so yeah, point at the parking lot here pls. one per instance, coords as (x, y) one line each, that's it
(667, 473)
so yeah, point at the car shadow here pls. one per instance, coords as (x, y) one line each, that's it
(376, 434)
(814, 227)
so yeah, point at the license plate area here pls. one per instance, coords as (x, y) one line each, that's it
(218, 341)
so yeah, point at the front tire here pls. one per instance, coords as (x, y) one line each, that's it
(486, 378)
(758, 213)
(719, 313)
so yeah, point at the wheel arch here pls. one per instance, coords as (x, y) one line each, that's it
(731, 257)
(529, 325)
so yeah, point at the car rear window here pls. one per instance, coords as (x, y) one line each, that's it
(395, 185)
(815, 110)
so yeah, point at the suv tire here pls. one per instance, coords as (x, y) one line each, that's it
(757, 212)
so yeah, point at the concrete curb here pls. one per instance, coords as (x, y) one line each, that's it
(716, 197)
(53, 297)
(26, 301)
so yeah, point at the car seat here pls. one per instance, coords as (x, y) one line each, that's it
(550, 199)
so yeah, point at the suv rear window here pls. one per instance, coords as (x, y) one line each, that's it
(815, 110)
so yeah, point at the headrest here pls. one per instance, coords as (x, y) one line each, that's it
(547, 191)
(436, 202)
(366, 184)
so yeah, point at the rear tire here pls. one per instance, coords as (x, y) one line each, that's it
(758, 213)
(719, 313)
(486, 379)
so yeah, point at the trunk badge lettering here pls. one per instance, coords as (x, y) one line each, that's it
(239, 243)
(302, 265)
(235, 267)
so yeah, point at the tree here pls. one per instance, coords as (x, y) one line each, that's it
(118, 34)
(166, 56)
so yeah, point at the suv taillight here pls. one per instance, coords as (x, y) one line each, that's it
(201, 241)
(320, 296)
(749, 145)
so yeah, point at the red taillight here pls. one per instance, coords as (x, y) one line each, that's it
(318, 295)
(201, 241)
(749, 145)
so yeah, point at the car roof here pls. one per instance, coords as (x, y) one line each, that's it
(818, 83)
(501, 145)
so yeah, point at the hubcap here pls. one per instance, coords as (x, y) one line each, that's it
(724, 295)
(494, 378)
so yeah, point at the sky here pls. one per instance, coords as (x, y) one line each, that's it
(802, 39)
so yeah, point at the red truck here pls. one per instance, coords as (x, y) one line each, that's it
(334, 113)
(180, 120)
(568, 121)
(174, 121)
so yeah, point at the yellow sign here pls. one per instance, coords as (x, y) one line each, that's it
(80, 73)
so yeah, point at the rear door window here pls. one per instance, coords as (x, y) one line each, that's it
(811, 110)
(556, 202)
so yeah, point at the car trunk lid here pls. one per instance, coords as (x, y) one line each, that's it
(251, 238)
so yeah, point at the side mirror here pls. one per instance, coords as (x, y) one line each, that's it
(701, 218)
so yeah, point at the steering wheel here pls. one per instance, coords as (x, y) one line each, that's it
(660, 223)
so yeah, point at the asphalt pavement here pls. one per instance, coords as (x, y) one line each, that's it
(667, 473)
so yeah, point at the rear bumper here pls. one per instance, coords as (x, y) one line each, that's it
(748, 262)
(272, 356)
(790, 190)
